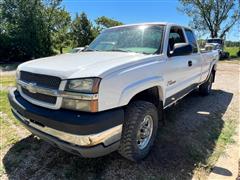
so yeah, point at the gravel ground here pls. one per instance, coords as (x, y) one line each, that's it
(184, 143)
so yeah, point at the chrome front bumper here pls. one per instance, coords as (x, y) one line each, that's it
(85, 134)
(106, 137)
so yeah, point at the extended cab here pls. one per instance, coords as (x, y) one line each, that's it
(112, 95)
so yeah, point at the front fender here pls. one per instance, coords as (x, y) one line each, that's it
(136, 87)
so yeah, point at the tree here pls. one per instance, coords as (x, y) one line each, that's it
(60, 30)
(49, 13)
(28, 29)
(105, 22)
(81, 30)
(215, 16)
(232, 44)
(4, 36)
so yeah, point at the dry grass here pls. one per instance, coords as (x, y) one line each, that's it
(7, 81)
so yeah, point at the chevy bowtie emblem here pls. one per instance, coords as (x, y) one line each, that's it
(31, 87)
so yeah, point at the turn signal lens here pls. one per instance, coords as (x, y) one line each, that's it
(80, 105)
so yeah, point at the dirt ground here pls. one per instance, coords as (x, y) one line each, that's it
(187, 143)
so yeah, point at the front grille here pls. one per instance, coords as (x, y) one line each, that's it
(47, 81)
(40, 97)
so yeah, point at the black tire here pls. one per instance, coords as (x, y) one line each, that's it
(206, 88)
(134, 115)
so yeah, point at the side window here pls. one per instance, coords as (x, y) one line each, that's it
(175, 36)
(192, 40)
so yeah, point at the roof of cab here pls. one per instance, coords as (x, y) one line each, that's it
(147, 23)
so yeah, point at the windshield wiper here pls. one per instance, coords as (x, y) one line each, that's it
(119, 50)
(90, 50)
(145, 53)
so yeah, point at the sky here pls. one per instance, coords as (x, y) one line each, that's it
(136, 11)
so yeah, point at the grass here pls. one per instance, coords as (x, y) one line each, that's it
(232, 51)
(5, 107)
(7, 81)
(225, 138)
(9, 135)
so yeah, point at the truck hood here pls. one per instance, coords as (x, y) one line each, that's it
(84, 64)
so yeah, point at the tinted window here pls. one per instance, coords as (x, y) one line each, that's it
(175, 36)
(192, 40)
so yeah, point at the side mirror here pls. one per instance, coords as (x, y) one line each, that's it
(181, 49)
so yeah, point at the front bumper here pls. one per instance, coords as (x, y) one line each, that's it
(85, 134)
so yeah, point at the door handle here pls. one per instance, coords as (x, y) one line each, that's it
(189, 63)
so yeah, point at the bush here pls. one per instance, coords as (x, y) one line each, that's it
(238, 53)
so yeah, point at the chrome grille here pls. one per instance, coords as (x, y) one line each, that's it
(40, 97)
(30, 84)
(42, 80)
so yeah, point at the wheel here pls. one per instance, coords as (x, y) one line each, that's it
(206, 87)
(139, 130)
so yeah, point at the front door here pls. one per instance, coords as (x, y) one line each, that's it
(179, 68)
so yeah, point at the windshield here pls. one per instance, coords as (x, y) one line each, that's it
(138, 39)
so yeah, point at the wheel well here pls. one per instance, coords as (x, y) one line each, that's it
(151, 95)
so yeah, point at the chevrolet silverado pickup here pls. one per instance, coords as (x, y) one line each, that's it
(112, 95)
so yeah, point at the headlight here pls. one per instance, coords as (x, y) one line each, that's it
(89, 85)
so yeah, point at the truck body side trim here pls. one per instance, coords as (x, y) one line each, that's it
(172, 99)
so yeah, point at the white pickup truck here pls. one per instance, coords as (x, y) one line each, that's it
(112, 95)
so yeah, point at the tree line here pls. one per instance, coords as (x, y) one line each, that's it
(31, 29)
(37, 28)
(232, 44)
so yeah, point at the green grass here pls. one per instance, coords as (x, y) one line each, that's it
(232, 51)
(7, 81)
(6, 116)
(226, 137)
(5, 106)
(8, 134)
